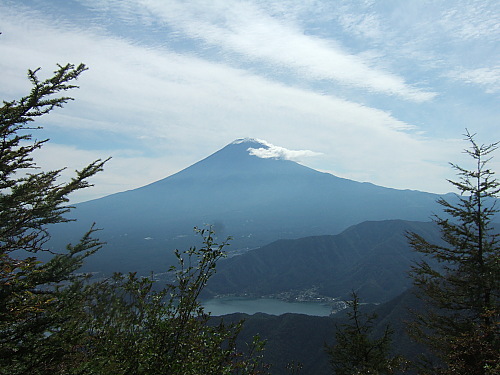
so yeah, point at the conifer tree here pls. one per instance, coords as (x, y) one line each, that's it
(31, 200)
(461, 324)
(356, 351)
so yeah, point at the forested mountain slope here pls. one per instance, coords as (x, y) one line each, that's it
(302, 338)
(372, 257)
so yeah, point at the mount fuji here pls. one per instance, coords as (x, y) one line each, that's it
(254, 199)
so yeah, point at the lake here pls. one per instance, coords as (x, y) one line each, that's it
(229, 305)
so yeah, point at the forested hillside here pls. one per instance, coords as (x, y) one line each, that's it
(301, 339)
(372, 257)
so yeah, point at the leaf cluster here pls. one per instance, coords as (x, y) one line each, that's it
(134, 328)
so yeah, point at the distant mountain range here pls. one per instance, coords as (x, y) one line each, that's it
(255, 200)
(372, 258)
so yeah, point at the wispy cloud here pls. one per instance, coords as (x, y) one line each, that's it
(472, 20)
(177, 94)
(427, 37)
(488, 78)
(365, 24)
(247, 29)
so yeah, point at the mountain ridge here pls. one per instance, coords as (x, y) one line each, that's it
(255, 200)
(372, 257)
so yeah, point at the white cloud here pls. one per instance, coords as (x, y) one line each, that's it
(420, 38)
(138, 91)
(276, 152)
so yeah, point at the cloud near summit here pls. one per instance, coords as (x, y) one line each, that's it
(276, 152)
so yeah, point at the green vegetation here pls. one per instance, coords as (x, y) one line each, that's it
(31, 296)
(461, 324)
(54, 321)
(133, 329)
(356, 351)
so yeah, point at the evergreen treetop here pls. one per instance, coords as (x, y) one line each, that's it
(31, 200)
(462, 324)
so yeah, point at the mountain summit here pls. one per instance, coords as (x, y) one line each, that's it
(248, 190)
(250, 141)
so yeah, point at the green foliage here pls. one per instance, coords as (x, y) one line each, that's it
(135, 329)
(29, 201)
(356, 352)
(462, 322)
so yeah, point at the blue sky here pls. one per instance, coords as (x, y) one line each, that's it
(377, 91)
